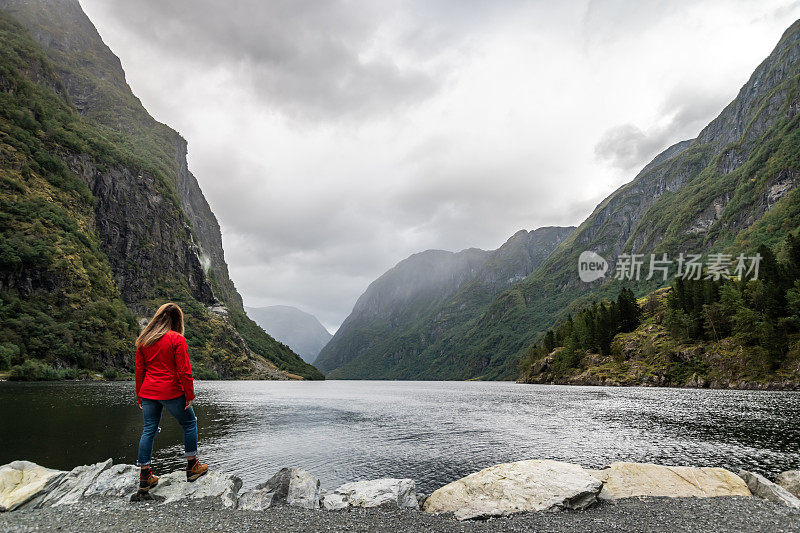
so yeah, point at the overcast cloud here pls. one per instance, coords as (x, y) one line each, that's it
(335, 138)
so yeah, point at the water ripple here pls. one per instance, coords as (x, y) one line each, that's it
(433, 432)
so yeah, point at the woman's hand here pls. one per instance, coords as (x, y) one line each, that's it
(188, 404)
(139, 404)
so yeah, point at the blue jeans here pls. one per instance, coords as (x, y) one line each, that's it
(151, 411)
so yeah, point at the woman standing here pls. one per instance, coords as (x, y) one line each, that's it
(164, 379)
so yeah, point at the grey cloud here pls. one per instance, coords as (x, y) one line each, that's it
(605, 20)
(692, 108)
(625, 146)
(687, 110)
(315, 60)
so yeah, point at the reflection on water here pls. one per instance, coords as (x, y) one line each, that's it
(433, 432)
(62, 425)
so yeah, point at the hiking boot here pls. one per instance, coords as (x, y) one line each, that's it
(195, 471)
(147, 483)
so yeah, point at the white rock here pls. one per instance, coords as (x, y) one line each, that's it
(790, 480)
(333, 501)
(508, 488)
(21, 481)
(70, 488)
(117, 480)
(303, 490)
(399, 493)
(173, 486)
(292, 486)
(764, 488)
(257, 499)
(628, 480)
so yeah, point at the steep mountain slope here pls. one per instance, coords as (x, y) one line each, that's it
(100, 210)
(413, 288)
(301, 331)
(730, 189)
(401, 337)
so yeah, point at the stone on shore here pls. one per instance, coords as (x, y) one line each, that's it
(117, 480)
(509, 488)
(790, 480)
(173, 486)
(21, 481)
(70, 488)
(387, 492)
(764, 488)
(627, 480)
(290, 486)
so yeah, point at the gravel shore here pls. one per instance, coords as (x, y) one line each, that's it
(635, 514)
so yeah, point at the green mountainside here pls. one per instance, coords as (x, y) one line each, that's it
(399, 325)
(101, 220)
(731, 189)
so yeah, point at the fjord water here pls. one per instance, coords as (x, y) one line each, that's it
(433, 432)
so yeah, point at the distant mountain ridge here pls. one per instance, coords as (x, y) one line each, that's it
(301, 331)
(397, 324)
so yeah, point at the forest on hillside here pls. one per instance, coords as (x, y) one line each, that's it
(697, 330)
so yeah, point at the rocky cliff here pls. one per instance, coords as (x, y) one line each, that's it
(140, 212)
(398, 325)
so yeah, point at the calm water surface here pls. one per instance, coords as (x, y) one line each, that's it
(433, 432)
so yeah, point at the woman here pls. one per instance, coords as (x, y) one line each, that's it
(164, 379)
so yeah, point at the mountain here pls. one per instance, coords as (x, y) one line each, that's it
(399, 325)
(101, 219)
(300, 330)
(731, 189)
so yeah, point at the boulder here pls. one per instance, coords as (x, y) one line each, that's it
(290, 486)
(117, 480)
(627, 480)
(790, 480)
(386, 492)
(70, 488)
(764, 488)
(21, 481)
(508, 488)
(173, 486)
(257, 499)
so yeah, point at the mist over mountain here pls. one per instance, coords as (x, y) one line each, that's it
(730, 190)
(398, 324)
(301, 331)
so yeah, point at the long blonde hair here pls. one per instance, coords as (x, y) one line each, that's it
(168, 317)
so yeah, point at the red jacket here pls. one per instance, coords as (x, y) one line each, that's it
(163, 370)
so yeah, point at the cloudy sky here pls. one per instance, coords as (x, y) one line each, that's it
(335, 138)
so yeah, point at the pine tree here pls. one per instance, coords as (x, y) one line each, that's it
(628, 310)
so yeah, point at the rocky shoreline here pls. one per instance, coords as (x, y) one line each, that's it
(520, 496)
(695, 382)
